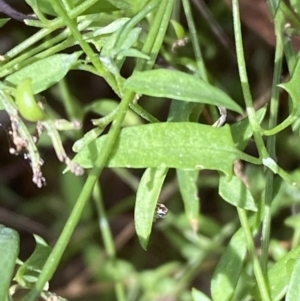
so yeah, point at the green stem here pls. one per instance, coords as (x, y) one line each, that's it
(71, 24)
(192, 267)
(70, 104)
(248, 158)
(244, 81)
(108, 242)
(283, 125)
(135, 20)
(193, 32)
(296, 238)
(29, 55)
(157, 33)
(266, 224)
(264, 294)
(143, 113)
(52, 26)
(153, 44)
(289, 14)
(259, 142)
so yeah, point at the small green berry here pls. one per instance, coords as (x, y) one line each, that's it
(26, 102)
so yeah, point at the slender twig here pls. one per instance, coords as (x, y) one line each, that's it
(271, 142)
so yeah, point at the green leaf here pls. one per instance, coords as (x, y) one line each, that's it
(9, 250)
(99, 7)
(279, 276)
(112, 27)
(235, 192)
(179, 85)
(28, 273)
(146, 200)
(3, 21)
(41, 5)
(277, 250)
(134, 6)
(293, 292)
(228, 270)
(125, 4)
(199, 296)
(179, 29)
(46, 72)
(292, 87)
(87, 139)
(130, 39)
(101, 106)
(106, 106)
(182, 145)
(189, 192)
(132, 53)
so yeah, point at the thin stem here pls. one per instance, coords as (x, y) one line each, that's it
(201, 69)
(248, 158)
(251, 249)
(84, 45)
(266, 225)
(193, 32)
(244, 81)
(71, 104)
(135, 20)
(192, 267)
(216, 28)
(153, 44)
(53, 25)
(290, 15)
(296, 238)
(60, 246)
(143, 113)
(29, 55)
(108, 241)
(259, 142)
(283, 125)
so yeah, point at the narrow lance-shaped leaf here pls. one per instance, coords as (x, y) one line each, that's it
(28, 273)
(3, 21)
(189, 192)
(182, 145)
(9, 250)
(228, 270)
(146, 200)
(181, 86)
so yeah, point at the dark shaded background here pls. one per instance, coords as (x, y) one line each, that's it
(44, 211)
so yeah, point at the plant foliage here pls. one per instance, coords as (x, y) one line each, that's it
(139, 94)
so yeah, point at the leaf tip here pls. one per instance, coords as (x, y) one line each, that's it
(143, 242)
